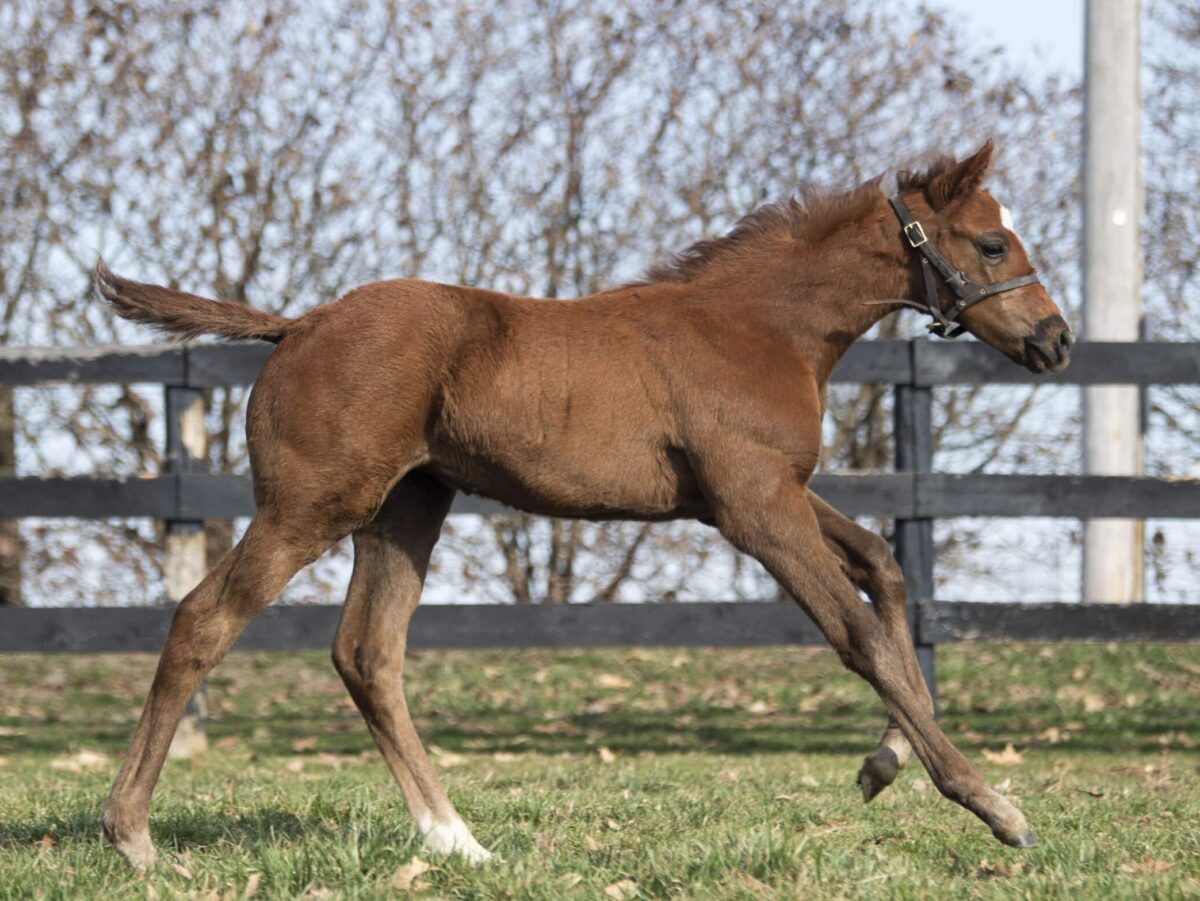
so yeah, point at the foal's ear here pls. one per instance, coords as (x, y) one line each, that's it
(957, 182)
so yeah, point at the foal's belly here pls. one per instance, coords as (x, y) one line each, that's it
(599, 483)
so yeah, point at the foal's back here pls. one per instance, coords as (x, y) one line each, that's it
(564, 408)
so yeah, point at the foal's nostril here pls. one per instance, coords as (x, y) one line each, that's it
(1066, 340)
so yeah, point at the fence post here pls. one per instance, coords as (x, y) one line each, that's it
(913, 437)
(185, 560)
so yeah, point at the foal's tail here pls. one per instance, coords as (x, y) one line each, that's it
(183, 314)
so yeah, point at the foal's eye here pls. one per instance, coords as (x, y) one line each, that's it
(993, 250)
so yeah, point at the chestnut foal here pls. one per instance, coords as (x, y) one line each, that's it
(697, 393)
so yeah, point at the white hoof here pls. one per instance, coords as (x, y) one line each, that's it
(137, 850)
(453, 837)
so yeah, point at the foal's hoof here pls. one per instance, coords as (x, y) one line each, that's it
(455, 838)
(879, 770)
(137, 849)
(1025, 839)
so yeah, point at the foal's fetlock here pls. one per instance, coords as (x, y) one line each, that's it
(879, 770)
(133, 844)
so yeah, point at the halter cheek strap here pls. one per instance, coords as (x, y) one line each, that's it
(967, 293)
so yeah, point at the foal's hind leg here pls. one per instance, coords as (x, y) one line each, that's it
(868, 562)
(205, 626)
(391, 555)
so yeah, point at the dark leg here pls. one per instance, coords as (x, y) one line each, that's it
(869, 564)
(391, 556)
(206, 624)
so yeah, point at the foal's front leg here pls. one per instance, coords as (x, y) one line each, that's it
(870, 565)
(762, 509)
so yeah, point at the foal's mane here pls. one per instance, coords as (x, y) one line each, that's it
(810, 219)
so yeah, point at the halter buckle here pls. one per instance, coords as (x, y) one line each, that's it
(915, 234)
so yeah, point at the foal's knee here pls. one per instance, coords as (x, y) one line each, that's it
(880, 563)
(343, 661)
(201, 632)
(868, 650)
(364, 665)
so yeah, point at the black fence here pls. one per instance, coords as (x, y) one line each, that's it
(913, 496)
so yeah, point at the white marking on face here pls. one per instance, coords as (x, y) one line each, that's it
(1006, 217)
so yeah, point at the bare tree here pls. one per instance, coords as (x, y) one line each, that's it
(1171, 245)
(279, 153)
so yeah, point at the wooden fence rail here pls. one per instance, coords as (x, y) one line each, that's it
(713, 624)
(903, 495)
(913, 495)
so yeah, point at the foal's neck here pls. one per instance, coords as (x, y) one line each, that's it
(819, 294)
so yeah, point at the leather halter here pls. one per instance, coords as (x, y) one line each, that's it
(967, 293)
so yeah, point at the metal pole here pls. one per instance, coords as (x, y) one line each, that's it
(186, 563)
(913, 431)
(1112, 282)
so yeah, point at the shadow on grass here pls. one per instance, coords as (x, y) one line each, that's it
(172, 831)
(847, 730)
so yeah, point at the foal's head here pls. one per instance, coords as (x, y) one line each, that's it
(975, 234)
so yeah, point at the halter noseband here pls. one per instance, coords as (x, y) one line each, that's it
(967, 292)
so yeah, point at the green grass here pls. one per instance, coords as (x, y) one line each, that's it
(731, 776)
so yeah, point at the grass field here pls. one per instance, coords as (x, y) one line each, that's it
(618, 774)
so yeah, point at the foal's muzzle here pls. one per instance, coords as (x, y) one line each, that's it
(1048, 349)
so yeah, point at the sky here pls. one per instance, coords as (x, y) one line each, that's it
(1043, 34)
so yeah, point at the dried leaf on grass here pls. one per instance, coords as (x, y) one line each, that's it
(622, 890)
(446, 758)
(612, 681)
(752, 885)
(80, 761)
(407, 878)
(1000, 868)
(1052, 735)
(1146, 865)
(606, 756)
(1010, 756)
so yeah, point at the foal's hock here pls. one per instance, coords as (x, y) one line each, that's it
(696, 393)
